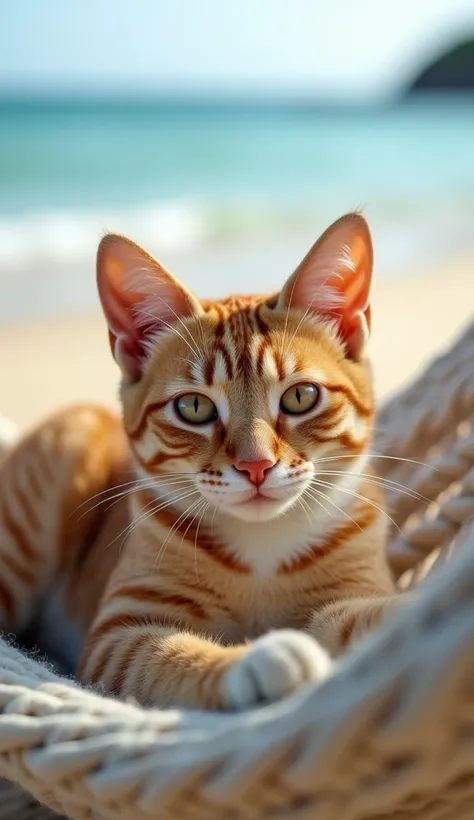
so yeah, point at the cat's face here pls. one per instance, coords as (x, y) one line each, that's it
(250, 404)
(241, 402)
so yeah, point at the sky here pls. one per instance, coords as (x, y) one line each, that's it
(327, 48)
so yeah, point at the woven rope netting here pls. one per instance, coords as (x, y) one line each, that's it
(390, 734)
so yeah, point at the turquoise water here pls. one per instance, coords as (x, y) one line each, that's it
(182, 176)
(80, 156)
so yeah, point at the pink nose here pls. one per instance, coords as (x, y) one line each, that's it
(256, 469)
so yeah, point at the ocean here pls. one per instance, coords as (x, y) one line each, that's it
(229, 196)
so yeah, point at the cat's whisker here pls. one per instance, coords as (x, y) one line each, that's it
(213, 518)
(173, 529)
(305, 507)
(376, 455)
(201, 511)
(360, 497)
(137, 483)
(312, 491)
(167, 482)
(127, 484)
(381, 482)
(144, 517)
(184, 534)
(300, 499)
(336, 506)
(162, 499)
(206, 507)
(124, 493)
(117, 496)
(148, 513)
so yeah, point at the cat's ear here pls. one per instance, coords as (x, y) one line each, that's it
(334, 279)
(139, 298)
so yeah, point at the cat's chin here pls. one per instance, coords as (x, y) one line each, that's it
(258, 509)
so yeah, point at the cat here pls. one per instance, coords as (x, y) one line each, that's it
(222, 542)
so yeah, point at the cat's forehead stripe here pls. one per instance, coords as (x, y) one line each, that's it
(222, 365)
(260, 348)
(269, 365)
(241, 346)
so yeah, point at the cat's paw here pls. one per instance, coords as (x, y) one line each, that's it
(274, 666)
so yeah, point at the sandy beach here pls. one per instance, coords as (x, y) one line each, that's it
(48, 363)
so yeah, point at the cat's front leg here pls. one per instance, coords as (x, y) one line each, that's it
(166, 667)
(338, 624)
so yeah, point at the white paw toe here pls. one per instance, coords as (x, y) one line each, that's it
(274, 666)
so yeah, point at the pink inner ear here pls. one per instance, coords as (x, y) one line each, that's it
(140, 299)
(334, 280)
(125, 336)
(158, 311)
(357, 279)
(352, 291)
(137, 321)
(316, 293)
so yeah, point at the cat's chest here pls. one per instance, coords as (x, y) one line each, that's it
(252, 608)
(254, 625)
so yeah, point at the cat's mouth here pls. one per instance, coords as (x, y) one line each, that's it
(258, 498)
(260, 505)
(257, 503)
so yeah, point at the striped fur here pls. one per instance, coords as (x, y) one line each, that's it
(179, 581)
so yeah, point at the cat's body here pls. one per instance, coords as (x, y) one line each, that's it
(232, 501)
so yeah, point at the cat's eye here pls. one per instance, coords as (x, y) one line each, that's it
(301, 398)
(194, 408)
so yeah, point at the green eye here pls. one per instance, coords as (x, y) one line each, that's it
(299, 399)
(195, 408)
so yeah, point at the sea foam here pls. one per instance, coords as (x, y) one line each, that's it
(55, 239)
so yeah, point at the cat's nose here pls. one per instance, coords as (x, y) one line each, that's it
(255, 469)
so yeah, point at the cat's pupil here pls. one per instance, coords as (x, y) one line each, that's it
(196, 404)
(298, 395)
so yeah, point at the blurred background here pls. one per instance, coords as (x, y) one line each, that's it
(225, 137)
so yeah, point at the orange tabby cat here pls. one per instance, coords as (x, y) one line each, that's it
(244, 535)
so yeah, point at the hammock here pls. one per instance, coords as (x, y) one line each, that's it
(390, 734)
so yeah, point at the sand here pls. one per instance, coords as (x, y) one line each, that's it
(49, 363)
